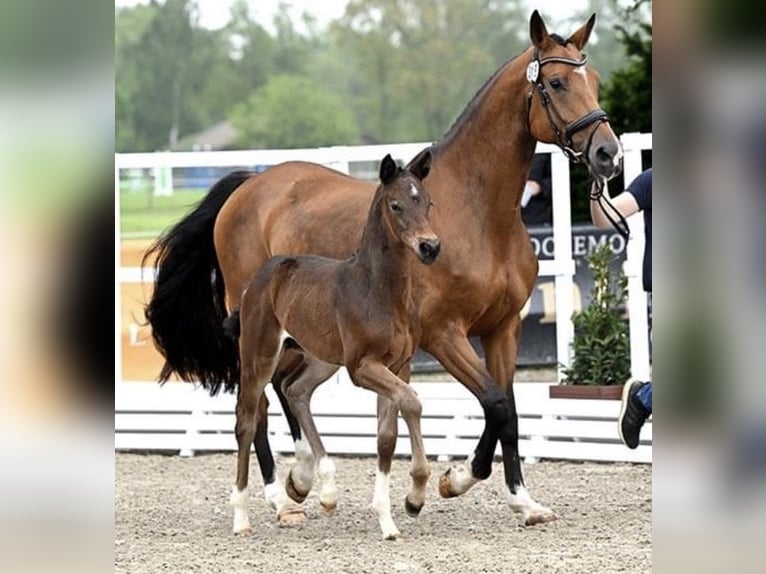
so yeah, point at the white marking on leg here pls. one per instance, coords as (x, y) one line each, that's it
(276, 496)
(303, 471)
(328, 492)
(238, 499)
(381, 504)
(522, 503)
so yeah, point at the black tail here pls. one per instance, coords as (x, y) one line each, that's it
(188, 305)
(231, 325)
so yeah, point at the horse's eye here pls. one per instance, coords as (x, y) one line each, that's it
(396, 207)
(555, 83)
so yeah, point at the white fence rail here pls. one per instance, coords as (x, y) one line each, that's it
(179, 418)
(176, 417)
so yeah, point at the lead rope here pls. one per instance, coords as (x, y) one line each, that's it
(619, 223)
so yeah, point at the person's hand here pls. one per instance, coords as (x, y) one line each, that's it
(531, 188)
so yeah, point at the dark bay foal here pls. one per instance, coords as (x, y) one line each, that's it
(358, 313)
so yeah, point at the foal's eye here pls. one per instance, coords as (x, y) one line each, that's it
(396, 207)
(556, 84)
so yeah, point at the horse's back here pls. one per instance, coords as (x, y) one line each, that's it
(292, 208)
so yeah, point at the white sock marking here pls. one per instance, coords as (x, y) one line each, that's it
(238, 499)
(381, 504)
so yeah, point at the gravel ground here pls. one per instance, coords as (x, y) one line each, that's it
(172, 515)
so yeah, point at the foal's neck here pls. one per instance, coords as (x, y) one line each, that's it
(385, 260)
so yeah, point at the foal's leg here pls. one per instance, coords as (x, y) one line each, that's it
(246, 412)
(260, 344)
(500, 349)
(301, 477)
(455, 353)
(374, 376)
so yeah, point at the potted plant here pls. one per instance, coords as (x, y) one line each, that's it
(601, 346)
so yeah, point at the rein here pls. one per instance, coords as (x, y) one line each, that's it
(593, 117)
(618, 222)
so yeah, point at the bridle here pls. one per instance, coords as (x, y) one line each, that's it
(564, 141)
(593, 117)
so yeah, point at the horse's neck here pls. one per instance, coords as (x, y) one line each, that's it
(490, 152)
(385, 262)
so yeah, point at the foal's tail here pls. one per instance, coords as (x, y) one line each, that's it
(188, 305)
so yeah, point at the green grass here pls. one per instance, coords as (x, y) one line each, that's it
(143, 215)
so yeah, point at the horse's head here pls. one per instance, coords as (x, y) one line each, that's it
(405, 204)
(563, 99)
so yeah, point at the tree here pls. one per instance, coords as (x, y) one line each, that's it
(291, 111)
(419, 61)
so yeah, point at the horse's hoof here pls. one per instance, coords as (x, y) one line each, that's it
(445, 485)
(540, 517)
(395, 535)
(328, 508)
(291, 516)
(292, 491)
(413, 510)
(244, 533)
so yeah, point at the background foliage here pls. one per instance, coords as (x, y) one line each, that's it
(386, 71)
(601, 345)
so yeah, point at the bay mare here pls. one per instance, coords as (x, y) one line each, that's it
(477, 287)
(358, 313)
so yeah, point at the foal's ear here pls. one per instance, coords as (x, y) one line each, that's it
(580, 38)
(388, 169)
(421, 165)
(537, 30)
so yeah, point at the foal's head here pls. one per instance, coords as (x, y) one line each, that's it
(404, 204)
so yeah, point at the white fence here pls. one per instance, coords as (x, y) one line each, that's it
(179, 418)
(577, 429)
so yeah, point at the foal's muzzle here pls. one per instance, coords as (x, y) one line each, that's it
(428, 250)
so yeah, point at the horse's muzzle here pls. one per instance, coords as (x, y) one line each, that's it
(605, 159)
(428, 250)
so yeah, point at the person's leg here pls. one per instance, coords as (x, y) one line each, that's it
(644, 394)
(635, 409)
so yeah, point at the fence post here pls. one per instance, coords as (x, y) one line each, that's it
(638, 324)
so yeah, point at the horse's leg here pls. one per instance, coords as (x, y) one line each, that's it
(376, 377)
(301, 476)
(500, 348)
(455, 353)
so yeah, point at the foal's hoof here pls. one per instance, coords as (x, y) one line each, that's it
(244, 532)
(292, 491)
(291, 516)
(540, 517)
(412, 509)
(445, 485)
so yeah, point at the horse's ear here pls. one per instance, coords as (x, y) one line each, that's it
(421, 165)
(537, 30)
(388, 169)
(580, 38)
